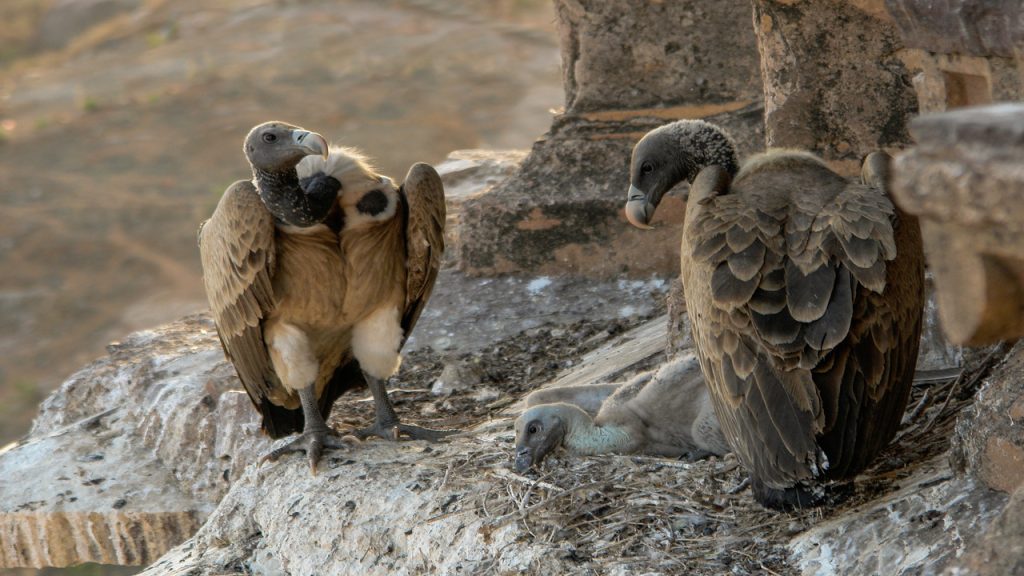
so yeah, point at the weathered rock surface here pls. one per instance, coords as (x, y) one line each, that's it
(833, 81)
(390, 509)
(130, 455)
(964, 181)
(1000, 550)
(627, 67)
(122, 485)
(466, 174)
(386, 509)
(989, 436)
(923, 526)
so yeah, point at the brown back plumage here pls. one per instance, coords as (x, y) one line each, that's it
(805, 292)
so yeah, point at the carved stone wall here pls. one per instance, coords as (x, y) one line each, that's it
(962, 53)
(628, 66)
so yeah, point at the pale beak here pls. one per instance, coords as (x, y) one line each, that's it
(524, 459)
(639, 210)
(311, 142)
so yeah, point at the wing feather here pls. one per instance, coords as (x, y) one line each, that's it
(423, 194)
(236, 246)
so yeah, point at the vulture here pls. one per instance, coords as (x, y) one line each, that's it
(316, 271)
(667, 413)
(805, 293)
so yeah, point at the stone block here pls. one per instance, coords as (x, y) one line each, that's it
(921, 526)
(630, 55)
(947, 81)
(972, 27)
(466, 174)
(999, 550)
(965, 182)
(961, 52)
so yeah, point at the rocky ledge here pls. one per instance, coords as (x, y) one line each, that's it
(137, 452)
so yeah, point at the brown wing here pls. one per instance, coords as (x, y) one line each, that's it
(237, 249)
(423, 195)
(790, 296)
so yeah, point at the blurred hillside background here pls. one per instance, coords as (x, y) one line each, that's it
(121, 123)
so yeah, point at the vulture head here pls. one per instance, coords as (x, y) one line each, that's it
(540, 430)
(274, 149)
(276, 146)
(669, 155)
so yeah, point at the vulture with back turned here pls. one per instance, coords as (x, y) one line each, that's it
(805, 292)
(316, 271)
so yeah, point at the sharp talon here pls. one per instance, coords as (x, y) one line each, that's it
(312, 443)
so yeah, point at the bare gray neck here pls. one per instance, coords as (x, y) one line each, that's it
(283, 195)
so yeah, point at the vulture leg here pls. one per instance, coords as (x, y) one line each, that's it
(316, 435)
(386, 424)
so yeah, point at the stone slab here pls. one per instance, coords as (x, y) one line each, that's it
(965, 181)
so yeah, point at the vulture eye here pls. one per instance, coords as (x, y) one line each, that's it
(269, 137)
(646, 168)
(533, 429)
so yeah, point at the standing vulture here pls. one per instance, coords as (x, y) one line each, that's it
(316, 271)
(805, 292)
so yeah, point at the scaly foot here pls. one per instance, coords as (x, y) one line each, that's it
(312, 442)
(394, 431)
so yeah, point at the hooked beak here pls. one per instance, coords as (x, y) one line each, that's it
(311, 142)
(524, 459)
(639, 210)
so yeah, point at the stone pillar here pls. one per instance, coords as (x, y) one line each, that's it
(628, 66)
(833, 82)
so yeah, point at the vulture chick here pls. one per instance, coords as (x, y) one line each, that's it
(667, 413)
(316, 271)
(805, 293)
